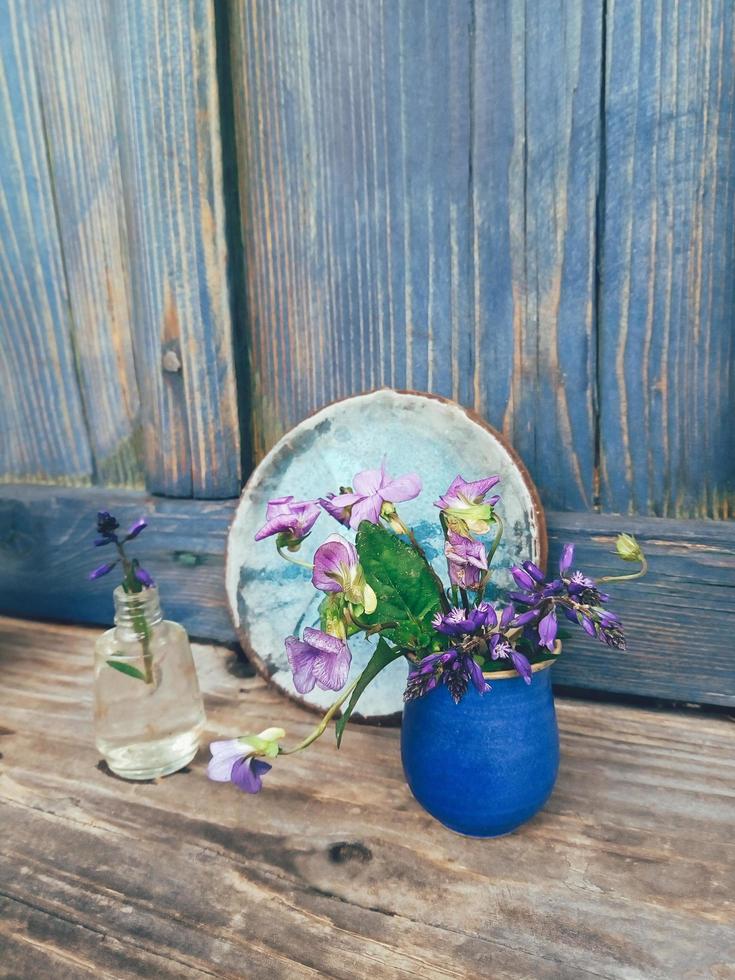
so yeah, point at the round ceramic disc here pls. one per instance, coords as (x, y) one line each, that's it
(271, 599)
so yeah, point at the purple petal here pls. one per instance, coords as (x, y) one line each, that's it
(530, 616)
(340, 514)
(282, 522)
(534, 571)
(402, 488)
(221, 764)
(101, 570)
(476, 490)
(135, 529)
(329, 561)
(301, 657)
(507, 615)
(587, 625)
(331, 671)
(547, 630)
(366, 509)
(522, 665)
(108, 539)
(144, 577)
(368, 482)
(247, 774)
(567, 557)
(489, 614)
(522, 577)
(476, 675)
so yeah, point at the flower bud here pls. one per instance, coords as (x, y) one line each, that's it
(628, 548)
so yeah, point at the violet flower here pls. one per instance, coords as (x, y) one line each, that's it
(547, 630)
(101, 570)
(503, 650)
(456, 670)
(371, 489)
(134, 530)
(319, 659)
(292, 521)
(237, 760)
(467, 561)
(457, 621)
(464, 502)
(106, 527)
(341, 514)
(337, 569)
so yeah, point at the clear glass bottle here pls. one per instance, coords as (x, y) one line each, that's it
(148, 710)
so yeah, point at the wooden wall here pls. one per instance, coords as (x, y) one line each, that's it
(117, 358)
(523, 206)
(218, 215)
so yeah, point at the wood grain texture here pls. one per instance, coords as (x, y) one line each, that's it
(680, 619)
(535, 159)
(76, 86)
(168, 114)
(418, 184)
(42, 427)
(666, 328)
(334, 870)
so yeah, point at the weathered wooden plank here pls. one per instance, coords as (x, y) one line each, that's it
(666, 336)
(42, 429)
(46, 540)
(334, 870)
(76, 82)
(353, 136)
(418, 190)
(535, 117)
(680, 619)
(168, 114)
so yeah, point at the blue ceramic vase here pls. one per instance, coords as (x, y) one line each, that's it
(486, 765)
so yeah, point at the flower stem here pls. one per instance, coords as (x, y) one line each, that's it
(627, 578)
(132, 586)
(370, 628)
(322, 726)
(294, 561)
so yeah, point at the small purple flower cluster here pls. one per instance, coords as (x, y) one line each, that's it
(576, 595)
(136, 577)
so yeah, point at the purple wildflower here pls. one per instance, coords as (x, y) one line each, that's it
(101, 570)
(502, 650)
(547, 630)
(464, 503)
(106, 527)
(134, 530)
(371, 489)
(143, 577)
(341, 514)
(337, 569)
(293, 520)
(457, 621)
(467, 561)
(234, 759)
(456, 670)
(319, 659)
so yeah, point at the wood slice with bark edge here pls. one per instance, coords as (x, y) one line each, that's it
(258, 582)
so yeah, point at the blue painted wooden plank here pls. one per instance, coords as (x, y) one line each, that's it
(666, 336)
(76, 88)
(353, 135)
(42, 427)
(418, 186)
(165, 66)
(535, 180)
(45, 552)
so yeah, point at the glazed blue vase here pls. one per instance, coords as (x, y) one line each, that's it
(486, 765)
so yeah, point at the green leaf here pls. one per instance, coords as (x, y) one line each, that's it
(384, 654)
(126, 669)
(406, 590)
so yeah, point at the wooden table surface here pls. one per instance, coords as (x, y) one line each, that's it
(334, 870)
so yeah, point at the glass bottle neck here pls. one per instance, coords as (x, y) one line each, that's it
(137, 612)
